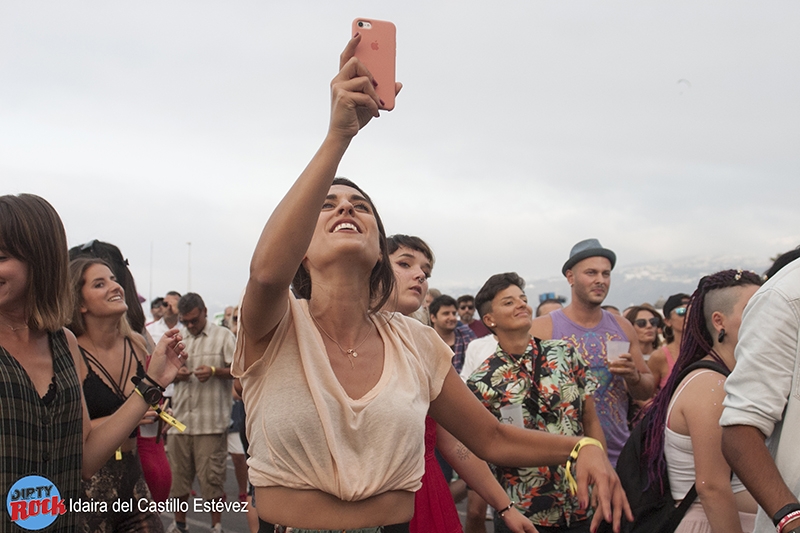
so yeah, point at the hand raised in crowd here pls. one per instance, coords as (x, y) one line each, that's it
(168, 357)
(353, 99)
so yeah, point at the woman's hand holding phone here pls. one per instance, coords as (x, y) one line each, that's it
(354, 101)
(355, 93)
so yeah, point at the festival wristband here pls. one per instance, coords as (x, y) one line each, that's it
(783, 511)
(793, 515)
(573, 456)
(166, 417)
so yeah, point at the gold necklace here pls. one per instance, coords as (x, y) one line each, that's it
(351, 353)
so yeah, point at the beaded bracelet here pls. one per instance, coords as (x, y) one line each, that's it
(585, 441)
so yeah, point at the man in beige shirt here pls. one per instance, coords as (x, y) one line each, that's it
(202, 400)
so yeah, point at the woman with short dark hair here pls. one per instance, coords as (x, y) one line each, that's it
(546, 382)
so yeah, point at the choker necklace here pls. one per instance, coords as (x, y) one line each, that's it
(350, 353)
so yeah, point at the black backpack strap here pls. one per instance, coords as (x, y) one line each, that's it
(704, 363)
(677, 515)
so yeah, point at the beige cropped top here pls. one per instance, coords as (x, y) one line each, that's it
(305, 432)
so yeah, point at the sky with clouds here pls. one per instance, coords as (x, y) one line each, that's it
(668, 130)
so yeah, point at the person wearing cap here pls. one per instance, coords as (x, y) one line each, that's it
(663, 359)
(588, 327)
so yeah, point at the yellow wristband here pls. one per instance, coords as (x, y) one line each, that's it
(213, 371)
(573, 456)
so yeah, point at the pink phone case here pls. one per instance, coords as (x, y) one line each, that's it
(377, 52)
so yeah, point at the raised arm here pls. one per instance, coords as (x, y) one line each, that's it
(287, 234)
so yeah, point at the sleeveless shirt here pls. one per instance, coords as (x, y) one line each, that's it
(611, 396)
(42, 436)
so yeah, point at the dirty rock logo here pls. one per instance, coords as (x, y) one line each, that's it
(33, 503)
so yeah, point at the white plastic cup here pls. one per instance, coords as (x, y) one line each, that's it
(614, 349)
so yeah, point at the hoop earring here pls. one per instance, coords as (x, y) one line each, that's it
(721, 336)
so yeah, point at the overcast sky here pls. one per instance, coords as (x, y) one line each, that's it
(667, 130)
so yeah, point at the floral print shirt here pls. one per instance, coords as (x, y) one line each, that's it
(553, 404)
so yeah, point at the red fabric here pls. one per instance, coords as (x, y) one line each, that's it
(434, 509)
(155, 466)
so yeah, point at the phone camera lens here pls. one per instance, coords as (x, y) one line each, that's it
(360, 24)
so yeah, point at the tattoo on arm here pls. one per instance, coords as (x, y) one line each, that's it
(462, 452)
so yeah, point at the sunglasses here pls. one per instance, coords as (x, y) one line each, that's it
(642, 323)
(680, 311)
(467, 307)
(164, 304)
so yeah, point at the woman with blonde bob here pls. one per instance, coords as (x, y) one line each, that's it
(336, 390)
(45, 427)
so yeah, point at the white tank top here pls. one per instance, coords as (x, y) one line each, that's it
(679, 455)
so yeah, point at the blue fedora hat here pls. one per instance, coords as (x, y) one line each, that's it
(588, 248)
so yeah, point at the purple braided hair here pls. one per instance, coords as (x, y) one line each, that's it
(695, 345)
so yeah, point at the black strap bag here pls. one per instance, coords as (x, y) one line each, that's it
(653, 511)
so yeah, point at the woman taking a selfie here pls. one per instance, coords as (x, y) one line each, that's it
(348, 452)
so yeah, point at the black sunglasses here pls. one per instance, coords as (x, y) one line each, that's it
(642, 323)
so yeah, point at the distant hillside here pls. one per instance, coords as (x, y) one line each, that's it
(641, 282)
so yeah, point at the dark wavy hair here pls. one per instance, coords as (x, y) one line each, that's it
(381, 279)
(633, 311)
(696, 344)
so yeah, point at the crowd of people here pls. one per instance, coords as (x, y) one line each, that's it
(367, 401)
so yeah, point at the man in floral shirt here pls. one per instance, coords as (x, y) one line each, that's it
(537, 385)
